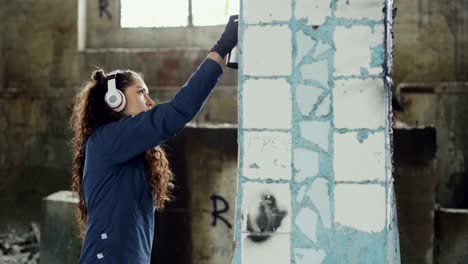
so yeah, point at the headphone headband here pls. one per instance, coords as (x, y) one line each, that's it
(112, 74)
(114, 98)
(111, 80)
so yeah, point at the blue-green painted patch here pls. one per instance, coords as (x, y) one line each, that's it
(377, 56)
(362, 135)
(358, 247)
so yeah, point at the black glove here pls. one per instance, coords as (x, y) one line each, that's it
(228, 39)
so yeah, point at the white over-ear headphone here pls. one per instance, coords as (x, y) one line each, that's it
(114, 98)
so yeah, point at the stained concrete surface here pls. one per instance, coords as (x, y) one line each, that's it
(452, 236)
(430, 41)
(60, 241)
(415, 183)
(204, 161)
(430, 170)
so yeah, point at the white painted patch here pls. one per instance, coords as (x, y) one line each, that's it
(358, 9)
(304, 44)
(354, 49)
(306, 221)
(267, 51)
(360, 206)
(104, 236)
(356, 161)
(300, 194)
(266, 11)
(359, 103)
(276, 250)
(316, 71)
(252, 196)
(314, 11)
(306, 97)
(323, 109)
(320, 198)
(317, 132)
(100, 256)
(267, 104)
(267, 155)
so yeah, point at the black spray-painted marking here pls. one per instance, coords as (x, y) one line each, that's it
(268, 220)
(103, 4)
(216, 213)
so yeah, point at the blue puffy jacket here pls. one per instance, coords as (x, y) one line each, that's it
(116, 190)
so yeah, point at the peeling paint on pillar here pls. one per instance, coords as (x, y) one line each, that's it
(338, 67)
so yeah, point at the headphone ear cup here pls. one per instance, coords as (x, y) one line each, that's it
(115, 99)
(123, 103)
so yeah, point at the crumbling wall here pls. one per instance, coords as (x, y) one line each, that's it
(439, 28)
(40, 70)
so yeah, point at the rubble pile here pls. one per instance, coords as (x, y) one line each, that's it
(20, 248)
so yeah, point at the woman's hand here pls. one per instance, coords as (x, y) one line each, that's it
(228, 39)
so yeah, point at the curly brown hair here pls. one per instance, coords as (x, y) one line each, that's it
(91, 112)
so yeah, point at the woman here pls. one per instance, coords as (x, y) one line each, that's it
(119, 171)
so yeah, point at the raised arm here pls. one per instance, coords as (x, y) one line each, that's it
(216, 57)
(133, 135)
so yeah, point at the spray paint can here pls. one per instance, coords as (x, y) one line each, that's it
(233, 58)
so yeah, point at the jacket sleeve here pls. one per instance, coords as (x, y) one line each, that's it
(133, 135)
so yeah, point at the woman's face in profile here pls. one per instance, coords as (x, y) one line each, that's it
(138, 99)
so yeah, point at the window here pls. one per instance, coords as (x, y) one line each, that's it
(152, 24)
(176, 13)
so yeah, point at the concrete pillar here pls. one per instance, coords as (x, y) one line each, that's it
(315, 180)
(60, 241)
(415, 159)
(2, 46)
(211, 160)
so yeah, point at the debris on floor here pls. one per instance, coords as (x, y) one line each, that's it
(17, 248)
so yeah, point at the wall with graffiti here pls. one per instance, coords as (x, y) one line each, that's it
(315, 174)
